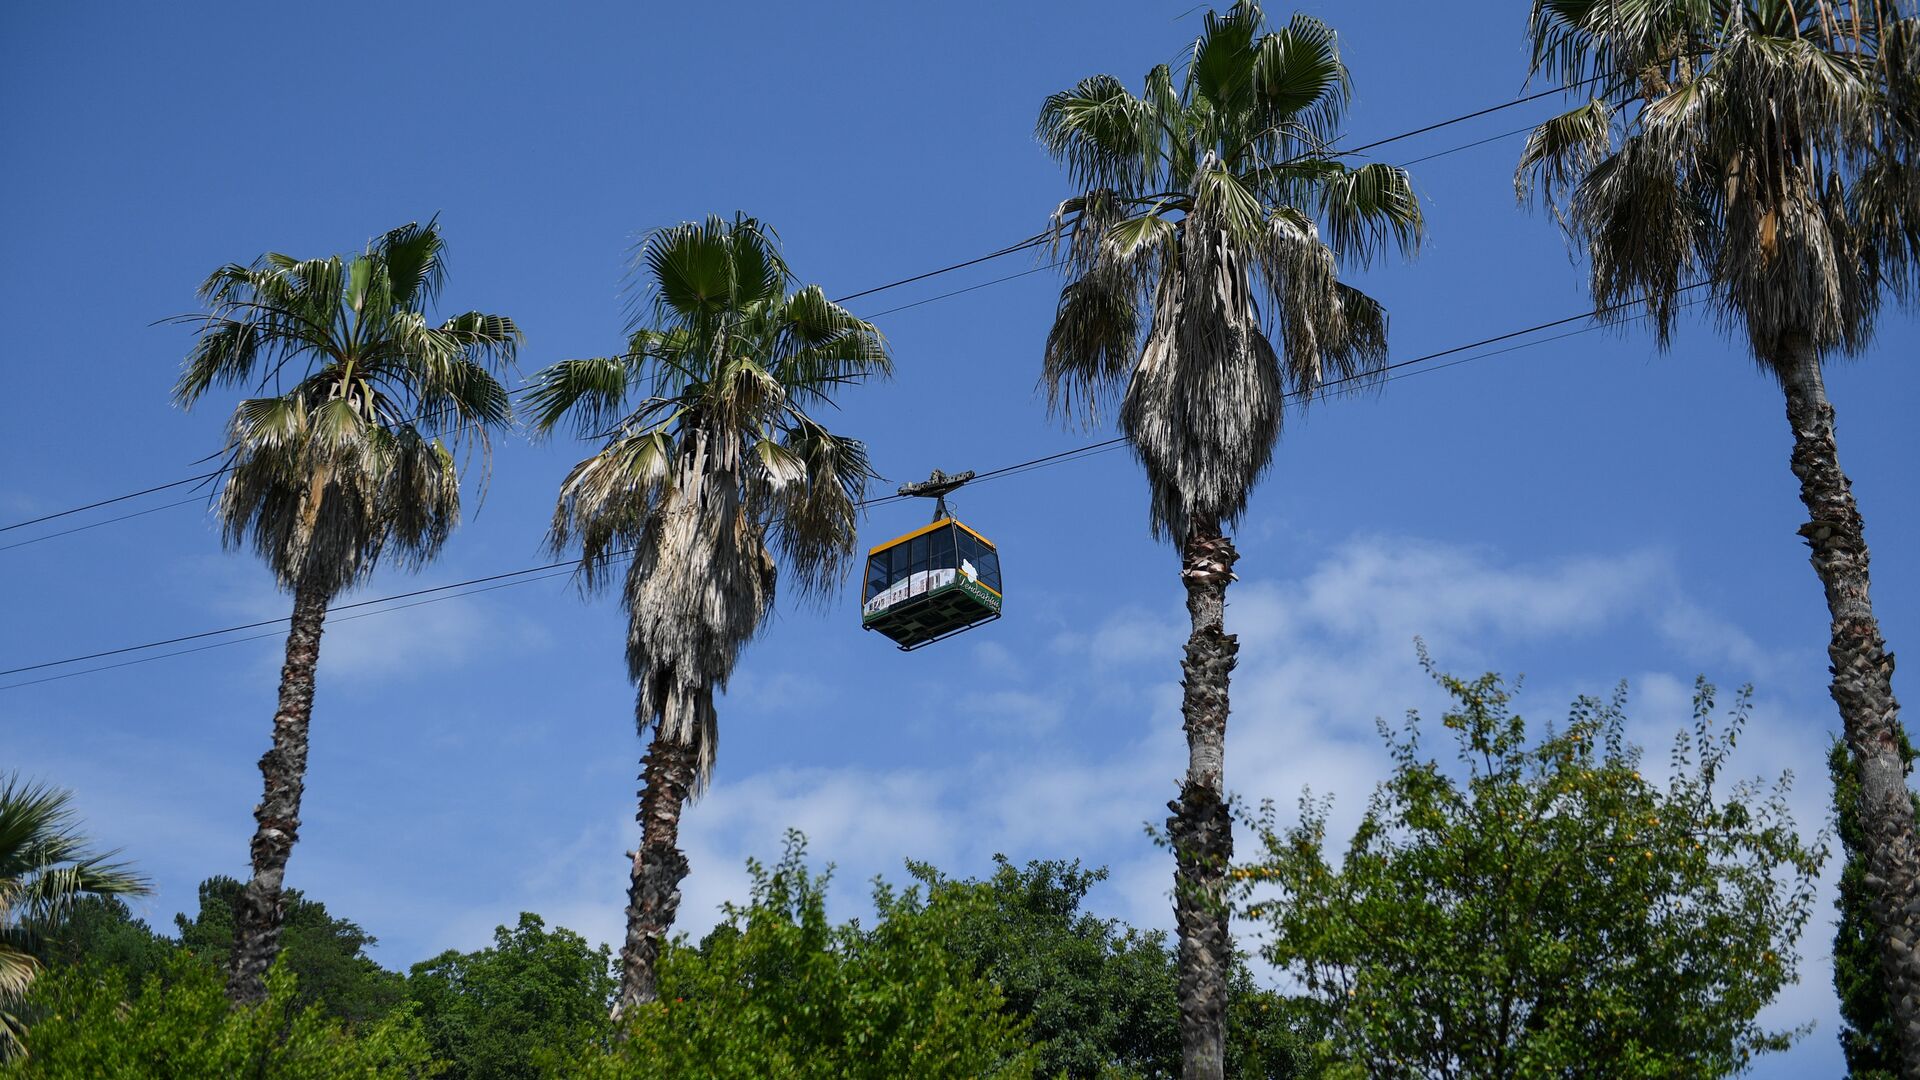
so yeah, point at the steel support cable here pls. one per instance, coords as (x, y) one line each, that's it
(1030, 242)
(110, 502)
(1014, 248)
(331, 621)
(97, 524)
(1383, 374)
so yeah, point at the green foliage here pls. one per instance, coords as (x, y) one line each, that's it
(778, 991)
(46, 867)
(1765, 147)
(490, 1014)
(102, 930)
(1006, 974)
(1867, 1035)
(1202, 249)
(1555, 913)
(1269, 1035)
(327, 955)
(355, 455)
(713, 473)
(1095, 996)
(1099, 998)
(182, 1026)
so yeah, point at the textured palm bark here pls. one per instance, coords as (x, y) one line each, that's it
(1863, 688)
(1201, 827)
(283, 768)
(653, 897)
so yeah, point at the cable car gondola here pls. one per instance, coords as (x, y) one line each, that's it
(935, 581)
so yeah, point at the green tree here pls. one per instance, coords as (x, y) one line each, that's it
(1096, 996)
(1542, 909)
(1867, 1035)
(1764, 150)
(354, 460)
(46, 867)
(711, 475)
(778, 991)
(1099, 998)
(181, 1026)
(327, 956)
(493, 1013)
(1203, 253)
(103, 931)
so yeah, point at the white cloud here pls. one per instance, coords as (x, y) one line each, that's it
(1707, 637)
(992, 659)
(371, 647)
(1014, 712)
(786, 691)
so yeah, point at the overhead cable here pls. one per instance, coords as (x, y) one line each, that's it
(1027, 244)
(1007, 470)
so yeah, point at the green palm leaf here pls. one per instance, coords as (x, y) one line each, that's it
(46, 865)
(1209, 223)
(711, 471)
(319, 484)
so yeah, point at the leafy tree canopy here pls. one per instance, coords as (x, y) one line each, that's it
(90, 1025)
(103, 931)
(46, 867)
(1549, 913)
(1099, 997)
(327, 956)
(490, 1013)
(779, 991)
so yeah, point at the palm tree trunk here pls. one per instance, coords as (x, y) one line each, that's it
(1863, 688)
(277, 816)
(1201, 828)
(653, 897)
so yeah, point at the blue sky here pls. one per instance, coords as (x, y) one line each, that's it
(1582, 511)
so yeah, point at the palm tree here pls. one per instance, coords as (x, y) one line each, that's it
(1764, 147)
(711, 473)
(1203, 291)
(45, 866)
(347, 455)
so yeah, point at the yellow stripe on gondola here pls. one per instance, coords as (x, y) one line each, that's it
(922, 531)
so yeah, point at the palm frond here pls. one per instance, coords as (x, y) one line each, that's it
(592, 391)
(1300, 84)
(607, 500)
(382, 398)
(17, 970)
(1741, 142)
(815, 530)
(1223, 67)
(414, 256)
(1645, 228)
(718, 469)
(1563, 150)
(1210, 223)
(1223, 198)
(819, 346)
(1102, 133)
(695, 270)
(1360, 353)
(1371, 207)
(1093, 343)
(422, 488)
(46, 862)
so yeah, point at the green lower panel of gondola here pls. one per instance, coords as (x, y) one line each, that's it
(933, 615)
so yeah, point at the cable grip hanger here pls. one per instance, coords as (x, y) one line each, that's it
(937, 486)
